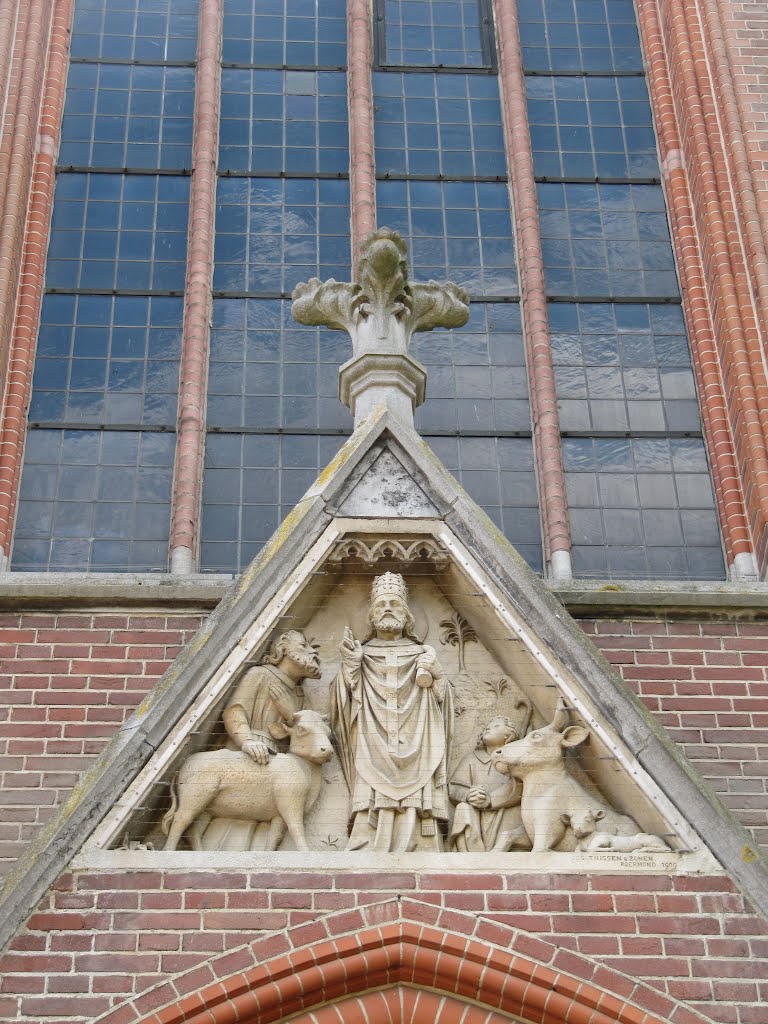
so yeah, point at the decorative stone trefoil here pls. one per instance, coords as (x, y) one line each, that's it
(380, 312)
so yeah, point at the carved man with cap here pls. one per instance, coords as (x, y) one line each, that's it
(391, 710)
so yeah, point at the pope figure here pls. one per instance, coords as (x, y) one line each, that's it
(391, 712)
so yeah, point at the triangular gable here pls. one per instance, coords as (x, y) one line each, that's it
(245, 619)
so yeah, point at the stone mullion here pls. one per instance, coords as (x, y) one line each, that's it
(198, 297)
(362, 170)
(538, 347)
(28, 299)
(714, 410)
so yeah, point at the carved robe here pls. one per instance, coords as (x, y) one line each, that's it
(393, 734)
(249, 714)
(498, 827)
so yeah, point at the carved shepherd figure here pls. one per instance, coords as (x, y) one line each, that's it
(230, 784)
(391, 713)
(266, 695)
(551, 796)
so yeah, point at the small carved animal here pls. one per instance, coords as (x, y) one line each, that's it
(228, 784)
(583, 820)
(605, 842)
(549, 793)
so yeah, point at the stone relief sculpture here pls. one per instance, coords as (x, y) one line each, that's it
(392, 715)
(487, 815)
(552, 799)
(266, 697)
(414, 775)
(232, 784)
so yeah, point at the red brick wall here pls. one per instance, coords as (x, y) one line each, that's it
(707, 683)
(67, 682)
(746, 37)
(99, 938)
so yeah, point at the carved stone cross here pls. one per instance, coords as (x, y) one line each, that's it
(381, 311)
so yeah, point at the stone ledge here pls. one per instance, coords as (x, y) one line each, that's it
(697, 862)
(583, 598)
(108, 590)
(625, 598)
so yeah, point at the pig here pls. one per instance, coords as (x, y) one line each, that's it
(550, 795)
(227, 783)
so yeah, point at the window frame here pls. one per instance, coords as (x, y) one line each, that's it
(488, 42)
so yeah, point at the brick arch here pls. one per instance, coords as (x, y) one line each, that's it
(402, 1005)
(307, 972)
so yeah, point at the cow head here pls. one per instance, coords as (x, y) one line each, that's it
(310, 736)
(541, 749)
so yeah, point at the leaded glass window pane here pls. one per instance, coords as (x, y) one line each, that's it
(94, 500)
(432, 125)
(606, 240)
(124, 232)
(107, 360)
(267, 371)
(477, 376)
(579, 35)
(642, 508)
(120, 116)
(271, 233)
(161, 30)
(273, 121)
(302, 33)
(453, 33)
(591, 127)
(456, 230)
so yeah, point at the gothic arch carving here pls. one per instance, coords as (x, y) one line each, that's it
(401, 944)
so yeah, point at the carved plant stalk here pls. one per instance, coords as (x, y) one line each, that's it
(458, 633)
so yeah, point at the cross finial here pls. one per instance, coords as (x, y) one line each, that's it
(380, 312)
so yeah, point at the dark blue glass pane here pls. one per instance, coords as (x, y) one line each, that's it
(579, 35)
(642, 508)
(94, 500)
(591, 127)
(623, 368)
(121, 116)
(294, 33)
(274, 121)
(108, 360)
(159, 30)
(458, 231)
(430, 32)
(606, 240)
(271, 234)
(268, 371)
(438, 124)
(251, 483)
(477, 378)
(123, 232)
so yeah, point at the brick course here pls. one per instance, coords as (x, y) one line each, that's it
(68, 681)
(99, 938)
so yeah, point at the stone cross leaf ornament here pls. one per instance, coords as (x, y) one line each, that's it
(380, 312)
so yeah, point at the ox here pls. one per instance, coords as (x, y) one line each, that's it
(228, 784)
(552, 798)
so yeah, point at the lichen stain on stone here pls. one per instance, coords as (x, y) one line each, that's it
(275, 542)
